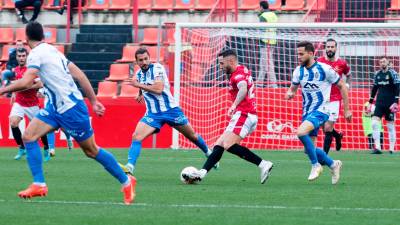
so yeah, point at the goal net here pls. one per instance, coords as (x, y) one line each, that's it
(269, 51)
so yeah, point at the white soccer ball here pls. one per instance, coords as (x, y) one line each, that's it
(185, 174)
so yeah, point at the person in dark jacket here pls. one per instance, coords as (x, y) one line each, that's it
(21, 4)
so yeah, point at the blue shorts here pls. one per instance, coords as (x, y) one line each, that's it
(74, 121)
(173, 117)
(317, 118)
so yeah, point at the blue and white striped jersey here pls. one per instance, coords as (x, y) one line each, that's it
(316, 83)
(61, 90)
(156, 103)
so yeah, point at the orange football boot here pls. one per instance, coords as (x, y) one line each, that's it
(129, 191)
(33, 190)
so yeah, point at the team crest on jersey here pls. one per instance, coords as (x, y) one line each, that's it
(148, 119)
(387, 77)
(316, 75)
(238, 77)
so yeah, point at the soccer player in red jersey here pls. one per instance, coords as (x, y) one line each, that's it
(243, 119)
(341, 67)
(24, 103)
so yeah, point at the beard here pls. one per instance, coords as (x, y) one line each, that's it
(330, 54)
(384, 67)
(305, 63)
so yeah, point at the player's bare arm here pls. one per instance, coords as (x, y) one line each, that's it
(344, 91)
(291, 91)
(139, 97)
(83, 81)
(24, 83)
(156, 88)
(242, 86)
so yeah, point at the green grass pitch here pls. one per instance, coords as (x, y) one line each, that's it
(81, 192)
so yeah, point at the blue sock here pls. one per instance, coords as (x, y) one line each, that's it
(201, 144)
(134, 152)
(323, 158)
(310, 148)
(111, 165)
(67, 135)
(51, 138)
(35, 162)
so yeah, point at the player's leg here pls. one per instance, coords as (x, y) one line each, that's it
(328, 128)
(51, 139)
(31, 112)
(188, 132)
(70, 143)
(143, 129)
(82, 132)
(390, 117)
(33, 132)
(376, 126)
(16, 115)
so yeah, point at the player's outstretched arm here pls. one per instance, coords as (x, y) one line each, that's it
(291, 91)
(87, 88)
(242, 86)
(156, 88)
(344, 91)
(24, 83)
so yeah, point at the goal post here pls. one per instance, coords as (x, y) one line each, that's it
(269, 51)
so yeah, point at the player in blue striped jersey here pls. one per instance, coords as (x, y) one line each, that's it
(316, 80)
(152, 80)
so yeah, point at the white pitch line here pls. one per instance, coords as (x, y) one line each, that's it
(211, 206)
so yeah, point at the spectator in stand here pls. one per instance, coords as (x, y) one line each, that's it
(74, 4)
(21, 4)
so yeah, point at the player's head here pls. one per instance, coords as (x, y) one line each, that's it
(34, 32)
(264, 5)
(305, 52)
(21, 56)
(142, 58)
(330, 48)
(19, 44)
(228, 61)
(384, 63)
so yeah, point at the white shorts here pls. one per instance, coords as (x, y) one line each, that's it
(332, 109)
(242, 124)
(21, 111)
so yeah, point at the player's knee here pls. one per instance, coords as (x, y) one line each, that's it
(28, 136)
(328, 127)
(301, 132)
(91, 151)
(137, 137)
(14, 122)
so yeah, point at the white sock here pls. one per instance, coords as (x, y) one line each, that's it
(376, 134)
(128, 182)
(208, 153)
(40, 184)
(392, 135)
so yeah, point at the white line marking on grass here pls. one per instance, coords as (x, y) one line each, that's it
(235, 206)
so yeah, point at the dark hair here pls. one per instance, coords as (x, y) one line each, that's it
(264, 4)
(308, 46)
(141, 50)
(34, 31)
(228, 52)
(22, 50)
(331, 39)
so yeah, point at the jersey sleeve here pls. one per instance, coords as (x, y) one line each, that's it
(296, 76)
(159, 72)
(34, 60)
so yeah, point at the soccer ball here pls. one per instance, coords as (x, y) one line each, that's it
(185, 175)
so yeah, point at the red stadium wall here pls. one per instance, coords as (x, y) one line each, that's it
(114, 129)
(276, 127)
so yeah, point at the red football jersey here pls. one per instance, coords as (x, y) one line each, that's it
(341, 67)
(248, 104)
(26, 98)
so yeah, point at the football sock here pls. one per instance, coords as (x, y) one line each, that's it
(134, 152)
(201, 144)
(323, 158)
(45, 142)
(34, 158)
(309, 148)
(370, 142)
(111, 165)
(335, 133)
(214, 157)
(381, 140)
(67, 135)
(245, 154)
(392, 135)
(328, 141)
(376, 133)
(51, 138)
(16, 132)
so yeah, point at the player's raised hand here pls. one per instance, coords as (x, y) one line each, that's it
(348, 116)
(98, 108)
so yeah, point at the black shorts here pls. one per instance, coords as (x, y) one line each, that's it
(381, 110)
